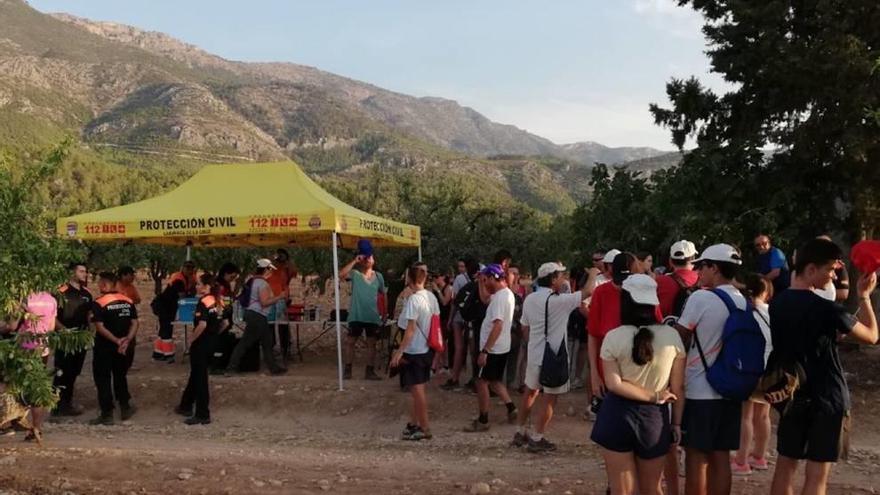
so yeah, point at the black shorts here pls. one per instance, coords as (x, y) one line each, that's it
(710, 425)
(358, 328)
(811, 434)
(494, 369)
(625, 425)
(417, 369)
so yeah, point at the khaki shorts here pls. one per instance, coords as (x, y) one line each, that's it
(533, 381)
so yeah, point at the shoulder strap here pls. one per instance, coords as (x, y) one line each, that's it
(725, 298)
(546, 314)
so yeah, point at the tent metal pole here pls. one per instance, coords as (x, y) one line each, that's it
(336, 298)
(420, 251)
(188, 251)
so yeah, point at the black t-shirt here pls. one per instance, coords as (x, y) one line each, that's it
(74, 306)
(805, 328)
(209, 310)
(116, 312)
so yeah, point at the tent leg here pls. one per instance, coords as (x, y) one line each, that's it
(336, 299)
(420, 251)
(188, 251)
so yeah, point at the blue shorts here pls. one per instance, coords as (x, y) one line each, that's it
(624, 425)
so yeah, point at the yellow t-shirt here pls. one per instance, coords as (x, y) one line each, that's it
(617, 346)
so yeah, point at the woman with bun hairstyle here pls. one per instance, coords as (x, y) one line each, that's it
(644, 365)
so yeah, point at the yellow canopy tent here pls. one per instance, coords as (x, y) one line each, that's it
(274, 204)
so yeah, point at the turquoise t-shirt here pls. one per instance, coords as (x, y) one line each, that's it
(364, 295)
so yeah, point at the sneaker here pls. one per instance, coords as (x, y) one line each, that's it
(519, 440)
(409, 430)
(103, 419)
(758, 464)
(67, 410)
(347, 373)
(511, 416)
(475, 426)
(183, 411)
(450, 384)
(421, 434)
(126, 412)
(740, 469)
(370, 374)
(34, 436)
(540, 446)
(195, 420)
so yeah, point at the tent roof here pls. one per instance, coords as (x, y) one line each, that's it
(241, 205)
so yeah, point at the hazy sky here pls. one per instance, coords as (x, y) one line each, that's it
(568, 70)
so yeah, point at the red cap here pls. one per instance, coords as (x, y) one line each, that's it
(865, 255)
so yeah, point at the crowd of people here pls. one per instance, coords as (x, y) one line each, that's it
(652, 346)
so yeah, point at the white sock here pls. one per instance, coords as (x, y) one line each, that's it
(537, 437)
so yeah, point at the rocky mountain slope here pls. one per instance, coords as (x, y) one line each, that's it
(112, 85)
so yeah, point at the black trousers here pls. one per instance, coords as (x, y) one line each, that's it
(67, 369)
(197, 391)
(110, 370)
(256, 330)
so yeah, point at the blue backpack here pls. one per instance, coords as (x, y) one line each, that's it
(740, 363)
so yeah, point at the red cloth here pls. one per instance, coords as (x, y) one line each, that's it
(865, 256)
(604, 314)
(667, 288)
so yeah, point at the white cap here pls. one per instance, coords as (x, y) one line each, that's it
(721, 252)
(642, 289)
(549, 269)
(682, 250)
(265, 263)
(609, 256)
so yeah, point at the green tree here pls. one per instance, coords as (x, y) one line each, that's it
(805, 82)
(32, 259)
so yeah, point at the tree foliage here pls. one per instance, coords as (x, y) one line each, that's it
(32, 260)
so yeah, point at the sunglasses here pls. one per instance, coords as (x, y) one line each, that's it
(597, 260)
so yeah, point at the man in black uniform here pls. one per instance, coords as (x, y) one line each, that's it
(116, 325)
(206, 321)
(74, 303)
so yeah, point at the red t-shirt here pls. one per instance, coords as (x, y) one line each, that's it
(604, 314)
(667, 288)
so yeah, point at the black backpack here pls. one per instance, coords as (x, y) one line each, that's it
(684, 292)
(468, 302)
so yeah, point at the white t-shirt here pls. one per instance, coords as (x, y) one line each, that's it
(601, 279)
(828, 292)
(558, 311)
(254, 304)
(420, 306)
(705, 312)
(763, 318)
(460, 281)
(500, 308)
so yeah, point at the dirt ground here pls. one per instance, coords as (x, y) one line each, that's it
(297, 434)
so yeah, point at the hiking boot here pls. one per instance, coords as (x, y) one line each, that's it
(540, 446)
(127, 411)
(475, 426)
(67, 410)
(519, 440)
(450, 384)
(105, 419)
(346, 374)
(370, 374)
(183, 411)
(195, 420)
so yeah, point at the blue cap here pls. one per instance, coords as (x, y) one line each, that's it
(365, 247)
(493, 270)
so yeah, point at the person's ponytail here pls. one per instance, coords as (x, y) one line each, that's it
(643, 349)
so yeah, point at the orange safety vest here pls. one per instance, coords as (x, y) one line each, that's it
(188, 283)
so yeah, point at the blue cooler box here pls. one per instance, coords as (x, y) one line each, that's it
(186, 309)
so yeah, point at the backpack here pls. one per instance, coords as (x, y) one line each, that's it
(740, 363)
(684, 292)
(468, 302)
(244, 297)
(554, 365)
